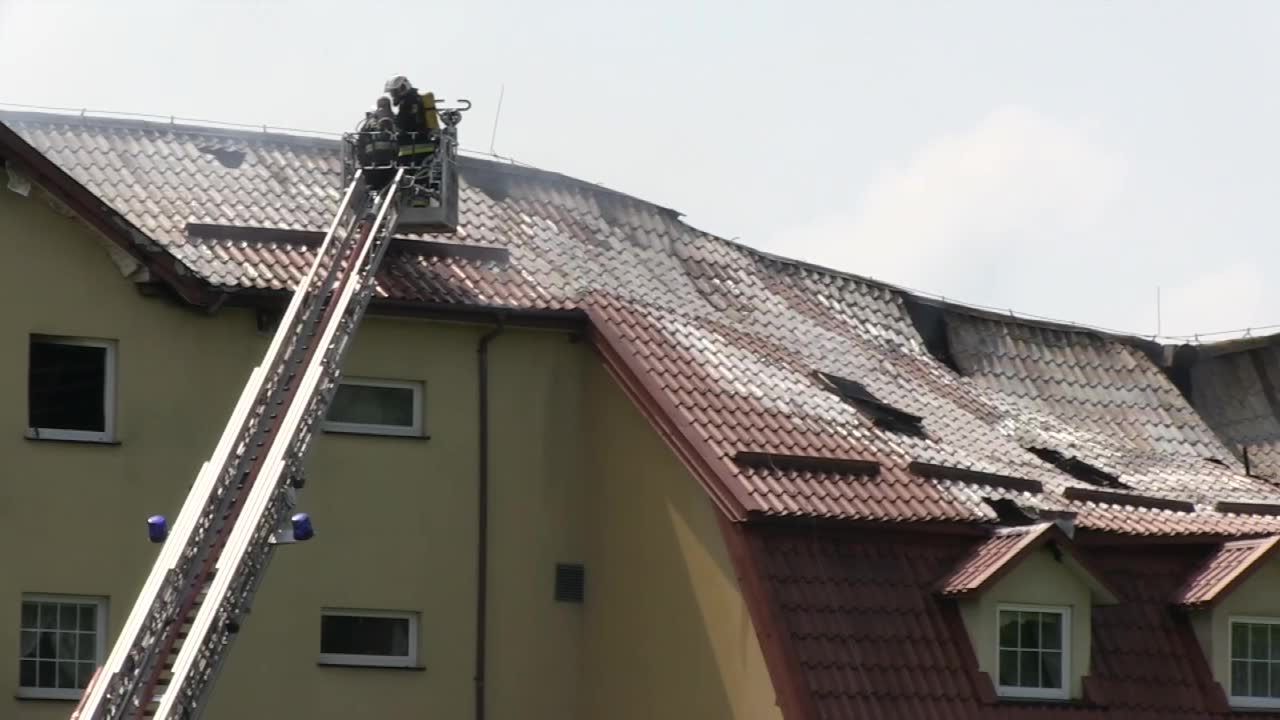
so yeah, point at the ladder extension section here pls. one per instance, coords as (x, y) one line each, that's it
(202, 584)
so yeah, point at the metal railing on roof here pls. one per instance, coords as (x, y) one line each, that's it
(223, 124)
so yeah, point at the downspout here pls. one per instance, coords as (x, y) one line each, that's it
(482, 521)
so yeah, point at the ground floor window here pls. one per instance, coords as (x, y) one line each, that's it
(61, 644)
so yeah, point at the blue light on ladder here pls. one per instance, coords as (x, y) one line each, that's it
(302, 529)
(157, 528)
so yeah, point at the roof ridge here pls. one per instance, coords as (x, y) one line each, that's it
(232, 130)
(320, 139)
(295, 136)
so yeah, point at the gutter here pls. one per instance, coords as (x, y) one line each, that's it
(482, 517)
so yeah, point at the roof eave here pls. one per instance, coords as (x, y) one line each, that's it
(1102, 592)
(711, 472)
(101, 217)
(1265, 551)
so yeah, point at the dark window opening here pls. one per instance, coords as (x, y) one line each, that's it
(364, 635)
(1079, 469)
(882, 414)
(371, 405)
(378, 407)
(571, 580)
(67, 386)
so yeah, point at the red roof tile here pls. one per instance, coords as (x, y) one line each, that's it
(989, 559)
(1226, 569)
(1006, 547)
(863, 633)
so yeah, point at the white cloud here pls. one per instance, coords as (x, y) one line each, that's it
(1018, 185)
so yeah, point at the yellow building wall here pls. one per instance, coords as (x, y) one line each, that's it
(575, 476)
(1256, 597)
(667, 634)
(1038, 580)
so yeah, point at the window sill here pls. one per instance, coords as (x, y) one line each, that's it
(356, 666)
(1245, 704)
(32, 436)
(1059, 702)
(372, 434)
(40, 696)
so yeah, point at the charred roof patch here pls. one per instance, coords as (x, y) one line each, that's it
(930, 322)
(881, 413)
(1079, 469)
(228, 157)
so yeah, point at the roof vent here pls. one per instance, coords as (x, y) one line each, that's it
(571, 582)
(882, 414)
(1079, 469)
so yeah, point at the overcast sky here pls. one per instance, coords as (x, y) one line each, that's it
(1058, 158)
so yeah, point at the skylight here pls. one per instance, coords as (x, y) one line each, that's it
(882, 414)
(1079, 469)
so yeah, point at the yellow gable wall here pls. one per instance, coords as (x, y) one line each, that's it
(687, 647)
(1256, 597)
(1038, 580)
(575, 476)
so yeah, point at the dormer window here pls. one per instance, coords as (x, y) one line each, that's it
(1231, 602)
(1026, 597)
(1255, 662)
(1034, 651)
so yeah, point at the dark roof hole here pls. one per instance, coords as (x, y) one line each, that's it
(1079, 469)
(227, 157)
(881, 413)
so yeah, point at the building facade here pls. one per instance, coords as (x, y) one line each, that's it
(696, 480)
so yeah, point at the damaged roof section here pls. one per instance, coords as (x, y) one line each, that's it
(1235, 387)
(725, 339)
(881, 413)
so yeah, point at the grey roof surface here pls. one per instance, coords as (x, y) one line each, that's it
(729, 336)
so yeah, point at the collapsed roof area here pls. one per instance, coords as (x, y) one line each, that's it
(751, 352)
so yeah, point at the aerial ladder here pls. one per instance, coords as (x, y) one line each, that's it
(242, 503)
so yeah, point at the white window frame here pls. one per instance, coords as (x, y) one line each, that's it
(108, 433)
(414, 430)
(392, 661)
(100, 629)
(1015, 691)
(1246, 701)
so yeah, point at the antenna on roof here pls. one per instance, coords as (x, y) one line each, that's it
(493, 138)
(1159, 319)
